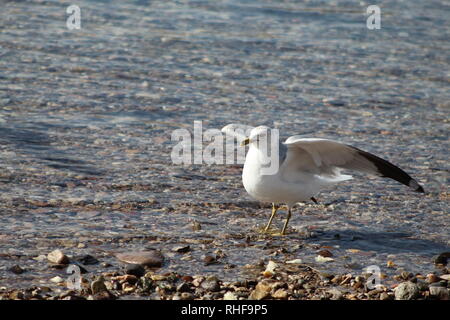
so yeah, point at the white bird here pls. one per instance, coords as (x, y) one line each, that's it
(306, 166)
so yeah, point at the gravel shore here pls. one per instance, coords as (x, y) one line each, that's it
(291, 280)
(86, 118)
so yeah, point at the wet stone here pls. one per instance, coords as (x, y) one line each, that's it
(57, 257)
(16, 269)
(135, 270)
(182, 249)
(86, 260)
(150, 258)
(333, 102)
(442, 258)
(325, 253)
(208, 260)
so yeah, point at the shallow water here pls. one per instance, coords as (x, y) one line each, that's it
(86, 119)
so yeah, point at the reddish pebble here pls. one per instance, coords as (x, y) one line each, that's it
(325, 253)
(187, 278)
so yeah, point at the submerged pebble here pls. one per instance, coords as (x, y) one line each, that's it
(17, 269)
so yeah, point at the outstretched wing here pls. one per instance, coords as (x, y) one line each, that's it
(239, 131)
(326, 157)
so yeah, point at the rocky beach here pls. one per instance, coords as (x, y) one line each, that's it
(86, 176)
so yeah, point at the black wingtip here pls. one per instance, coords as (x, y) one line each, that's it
(420, 189)
(387, 169)
(414, 185)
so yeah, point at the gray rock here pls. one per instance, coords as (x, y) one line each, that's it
(442, 293)
(98, 286)
(406, 291)
(211, 284)
(422, 285)
(336, 294)
(149, 258)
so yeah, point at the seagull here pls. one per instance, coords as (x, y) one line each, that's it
(305, 167)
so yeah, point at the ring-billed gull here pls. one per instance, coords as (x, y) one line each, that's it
(305, 167)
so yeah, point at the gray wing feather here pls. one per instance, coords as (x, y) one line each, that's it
(327, 157)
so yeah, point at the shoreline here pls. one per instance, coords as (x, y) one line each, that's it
(292, 280)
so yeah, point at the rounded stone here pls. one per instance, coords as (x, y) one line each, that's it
(406, 291)
(211, 284)
(441, 292)
(135, 270)
(149, 258)
(57, 257)
(98, 285)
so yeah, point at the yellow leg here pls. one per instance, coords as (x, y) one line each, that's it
(274, 211)
(283, 232)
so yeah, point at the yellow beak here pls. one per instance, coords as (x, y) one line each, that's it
(245, 142)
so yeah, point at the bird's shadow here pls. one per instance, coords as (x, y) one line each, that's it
(379, 241)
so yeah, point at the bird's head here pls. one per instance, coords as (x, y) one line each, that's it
(256, 135)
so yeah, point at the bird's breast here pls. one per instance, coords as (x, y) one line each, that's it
(263, 187)
(273, 188)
